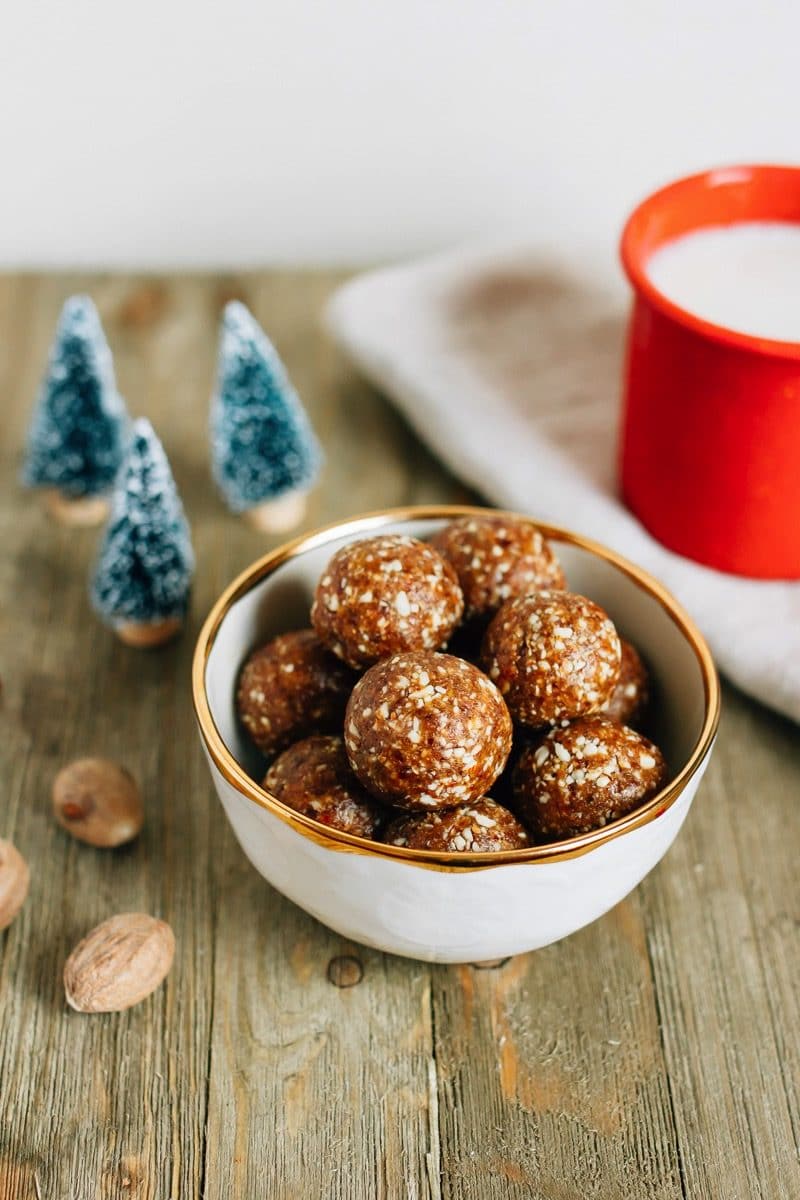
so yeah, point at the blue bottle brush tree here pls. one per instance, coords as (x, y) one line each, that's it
(265, 455)
(77, 435)
(143, 574)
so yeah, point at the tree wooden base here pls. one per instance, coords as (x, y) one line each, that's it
(76, 510)
(278, 516)
(145, 634)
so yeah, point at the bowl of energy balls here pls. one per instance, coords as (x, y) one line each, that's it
(453, 733)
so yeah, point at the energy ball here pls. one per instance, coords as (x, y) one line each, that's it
(384, 595)
(553, 655)
(632, 692)
(496, 558)
(583, 776)
(289, 688)
(478, 827)
(314, 778)
(426, 731)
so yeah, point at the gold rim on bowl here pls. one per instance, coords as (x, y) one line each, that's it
(334, 839)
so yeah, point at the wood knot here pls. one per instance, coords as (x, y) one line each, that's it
(490, 964)
(345, 971)
(144, 306)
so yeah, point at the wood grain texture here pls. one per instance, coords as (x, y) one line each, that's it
(552, 1075)
(653, 1056)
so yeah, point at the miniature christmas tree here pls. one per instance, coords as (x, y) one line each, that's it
(78, 432)
(144, 571)
(265, 455)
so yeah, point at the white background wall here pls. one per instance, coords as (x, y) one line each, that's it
(181, 132)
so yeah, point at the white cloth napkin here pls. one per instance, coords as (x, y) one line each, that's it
(511, 371)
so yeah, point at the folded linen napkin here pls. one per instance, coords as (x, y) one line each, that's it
(511, 371)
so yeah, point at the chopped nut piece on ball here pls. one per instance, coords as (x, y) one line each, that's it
(289, 688)
(314, 778)
(584, 775)
(426, 730)
(495, 558)
(553, 655)
(479, 827)
(385, 595)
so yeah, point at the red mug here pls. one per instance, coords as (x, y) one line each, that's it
(710, 449)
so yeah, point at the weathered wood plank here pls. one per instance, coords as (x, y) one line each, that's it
(552, 1079)
(316, 1089)
(723, 922)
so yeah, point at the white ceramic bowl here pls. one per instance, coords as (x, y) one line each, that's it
(452, 907)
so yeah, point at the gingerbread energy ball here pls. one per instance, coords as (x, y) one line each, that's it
(553, 655)
(478, 827)
(426, 731)
(289, 688)
(632, 692)
(583, 776)
(496, 558)
(385, 595)
(314, 778)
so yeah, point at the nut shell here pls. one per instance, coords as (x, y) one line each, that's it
(383, 596)
(314, 778)
(496, 558)
(119, 963)
(584, 775)
(632, 692)
(479, 827)
(553, 655)
(426, 730)
(14, 880)
(98, 802)
(290, 688)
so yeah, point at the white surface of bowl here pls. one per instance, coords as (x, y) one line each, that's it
(452, 907)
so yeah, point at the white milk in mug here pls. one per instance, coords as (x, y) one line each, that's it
(745, 277)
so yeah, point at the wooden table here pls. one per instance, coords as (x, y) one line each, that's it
(655, 1054)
